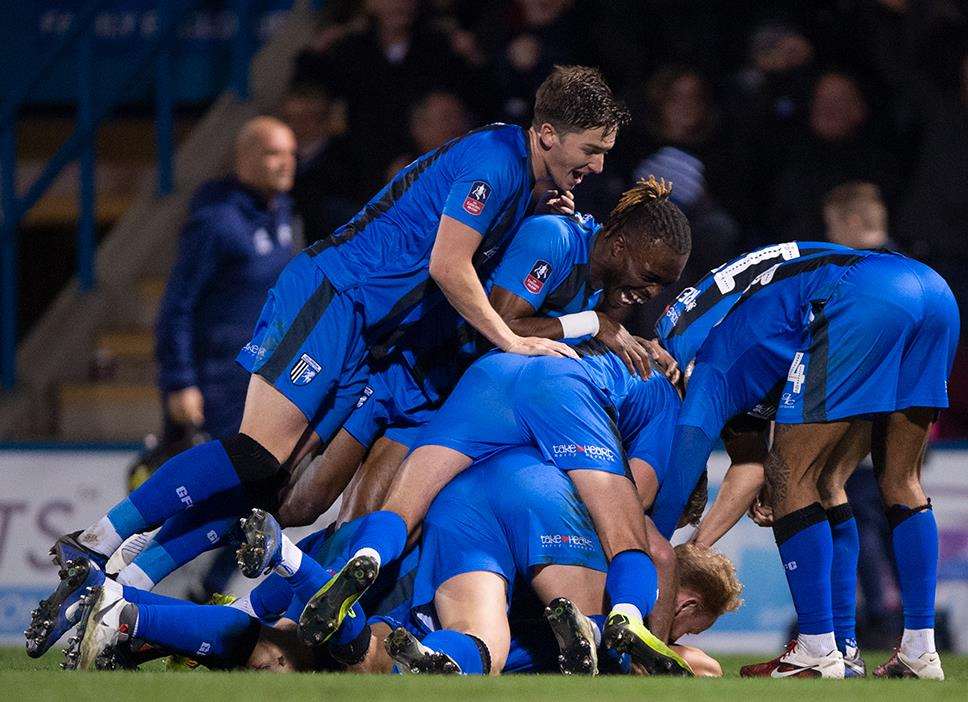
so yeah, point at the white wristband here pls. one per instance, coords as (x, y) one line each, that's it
(579, 324)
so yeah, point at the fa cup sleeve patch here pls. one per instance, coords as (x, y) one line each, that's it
(477, 197)
(537, 277)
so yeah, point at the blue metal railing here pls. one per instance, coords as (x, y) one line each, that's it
(80, 145)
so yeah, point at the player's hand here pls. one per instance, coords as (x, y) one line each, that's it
(186, 406)
(761, 513)
(538, 346)
(624, 345)
(556, 202)
(667, 364)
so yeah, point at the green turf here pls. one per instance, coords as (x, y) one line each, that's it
(22, 679)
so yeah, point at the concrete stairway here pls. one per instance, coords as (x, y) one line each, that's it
(86, 369)
(118, 401)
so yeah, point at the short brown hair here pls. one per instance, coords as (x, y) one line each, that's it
(645, 212)
(574, 98)
(712, 576)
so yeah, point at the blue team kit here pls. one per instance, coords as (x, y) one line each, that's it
(546, 264)
(363, 286)
(819, 333)
(597, 415)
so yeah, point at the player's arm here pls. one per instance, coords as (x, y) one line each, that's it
(747, 445)
(520, 315)
(452, 269)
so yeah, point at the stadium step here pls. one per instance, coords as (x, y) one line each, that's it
(107, 411)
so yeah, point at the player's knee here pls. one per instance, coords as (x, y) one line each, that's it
(259, 471)
(251, 460)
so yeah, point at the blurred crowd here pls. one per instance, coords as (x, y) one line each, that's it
(757, 112)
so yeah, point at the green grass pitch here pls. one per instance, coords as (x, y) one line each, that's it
(23, 679)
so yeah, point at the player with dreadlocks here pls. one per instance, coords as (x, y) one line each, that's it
(581, 415)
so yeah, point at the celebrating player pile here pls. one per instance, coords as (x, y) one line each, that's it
(512, 477)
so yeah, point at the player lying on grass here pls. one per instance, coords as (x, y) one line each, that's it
(443, 219)
(835, 335)
(227, 637)
(548, 283)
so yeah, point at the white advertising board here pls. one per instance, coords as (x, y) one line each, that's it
(46, 493)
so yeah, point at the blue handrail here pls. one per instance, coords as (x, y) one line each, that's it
(80, 144)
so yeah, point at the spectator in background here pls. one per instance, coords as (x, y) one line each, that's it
(328, 187)
(383, 68)
(837, 148)
(527, 41)
(855, 216)
(434, 120)
(237, 240)
(767, 112)
(685, 147)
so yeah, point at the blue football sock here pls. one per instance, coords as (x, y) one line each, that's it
(140, 597)
(806, 551)
(224, 634)
(843, 574)
(271, 597)
(352, 626)
(308, 578)
(182, 481)
(186, 535)
(915, 542)
(632, 579)
(383, 531)
(462, 648)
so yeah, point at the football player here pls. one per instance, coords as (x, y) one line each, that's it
(831, 337)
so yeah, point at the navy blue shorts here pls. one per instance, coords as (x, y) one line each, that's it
(507, 514)
(308, 344)
(883, 341)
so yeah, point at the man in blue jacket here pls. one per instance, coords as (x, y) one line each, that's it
(236, 242)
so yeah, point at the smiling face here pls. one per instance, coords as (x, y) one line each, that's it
(570, 156)
(632, 277)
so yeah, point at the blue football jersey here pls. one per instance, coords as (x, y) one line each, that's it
(546, 264)
(483, 179)
(686, 323)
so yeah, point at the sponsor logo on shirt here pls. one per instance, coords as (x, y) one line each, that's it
(367, 391)
(535, 280)
(571, 540)
(599, 453)
(304, 371)
(255, 349)
(477, 197)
